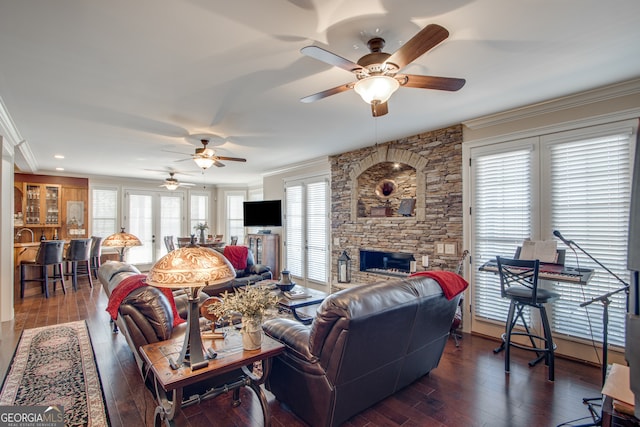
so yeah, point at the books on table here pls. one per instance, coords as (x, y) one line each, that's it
(296, 294)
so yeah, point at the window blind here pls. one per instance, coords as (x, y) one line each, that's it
(293, 229)
(590, 188)
(104, 211)
(199, 211)
(317, 231)
(501, 220)
(235, 216)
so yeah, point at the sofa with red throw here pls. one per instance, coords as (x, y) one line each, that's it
(247, 271)
(144, 314)
(365, 343)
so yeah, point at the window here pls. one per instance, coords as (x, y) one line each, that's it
(235, 216)
(307, 229)
(104, 211)
(199, 212)
(577, 182)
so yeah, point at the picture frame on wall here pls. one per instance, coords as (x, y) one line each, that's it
(406, 207)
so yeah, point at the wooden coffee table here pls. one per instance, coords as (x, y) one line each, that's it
(169, 383)
(315, 297)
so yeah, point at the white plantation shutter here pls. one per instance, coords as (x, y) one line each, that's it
(501, 220)
(307, 229)
(293, 227)
(235, 216)
(104, 211)
(590, 188)
(317, 231)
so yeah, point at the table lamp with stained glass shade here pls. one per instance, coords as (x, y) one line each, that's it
(121, 241)
(191, 268)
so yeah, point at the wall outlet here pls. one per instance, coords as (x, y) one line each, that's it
(450, 248)
(439, 248)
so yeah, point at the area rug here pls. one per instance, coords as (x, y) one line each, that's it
(55, 365)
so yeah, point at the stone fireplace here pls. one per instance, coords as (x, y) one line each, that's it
(394, 264)
(427, 171)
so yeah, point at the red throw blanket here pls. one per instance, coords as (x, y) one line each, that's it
(237, 256)
(130, 284)
(451, 283)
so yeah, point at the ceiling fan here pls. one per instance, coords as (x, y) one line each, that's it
(377, 73)
(206, 157)
(172, 183)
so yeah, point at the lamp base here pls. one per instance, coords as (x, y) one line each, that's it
(191, 354)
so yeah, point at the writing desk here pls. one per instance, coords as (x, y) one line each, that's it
(231, 359)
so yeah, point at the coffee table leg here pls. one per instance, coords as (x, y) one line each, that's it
(255, 383)
(167, 409)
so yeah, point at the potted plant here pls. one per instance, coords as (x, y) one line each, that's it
(251, 302)
(201, 227)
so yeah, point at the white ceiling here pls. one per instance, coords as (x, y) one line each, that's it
(116, 86)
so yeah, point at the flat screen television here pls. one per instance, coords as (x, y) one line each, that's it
(264, 213)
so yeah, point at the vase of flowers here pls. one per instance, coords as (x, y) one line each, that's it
(251, 302)
(201, 227)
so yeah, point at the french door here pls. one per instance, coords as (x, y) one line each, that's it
(150, 216)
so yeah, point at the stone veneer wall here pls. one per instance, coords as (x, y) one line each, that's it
(437, 159)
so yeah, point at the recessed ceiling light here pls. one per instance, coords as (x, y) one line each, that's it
(59, 169)
(59, 156)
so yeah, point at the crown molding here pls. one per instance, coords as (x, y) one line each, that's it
(617, 90)
(23, 156)
(317, 162)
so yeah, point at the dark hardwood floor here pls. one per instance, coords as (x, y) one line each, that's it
(469, 388)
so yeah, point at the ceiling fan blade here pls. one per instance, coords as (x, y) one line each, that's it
(330, 58)
(232, 159)
(433, 82)
(379, 109)
(428, 38)
(186, 184)
(325, 93)
(218, 164)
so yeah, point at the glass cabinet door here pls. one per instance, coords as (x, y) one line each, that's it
(42, 205)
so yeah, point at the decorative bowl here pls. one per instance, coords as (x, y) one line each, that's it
(284, 287)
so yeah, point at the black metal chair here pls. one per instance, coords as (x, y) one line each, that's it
(79, 251)
(49, 254)
(519, 283)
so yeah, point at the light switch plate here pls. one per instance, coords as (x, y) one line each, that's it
(439, 248)
(450, 248)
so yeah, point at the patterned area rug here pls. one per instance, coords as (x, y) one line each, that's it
(55, 365)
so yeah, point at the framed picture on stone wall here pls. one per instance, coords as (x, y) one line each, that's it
(406, 207)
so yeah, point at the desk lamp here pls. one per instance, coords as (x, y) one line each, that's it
(121, 241)
(191, 268)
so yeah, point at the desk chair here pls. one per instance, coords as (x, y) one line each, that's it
(79, 251)
(519, 283)
(49, 254)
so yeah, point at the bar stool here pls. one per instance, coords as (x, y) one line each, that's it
(96, 252)
(519, 283)
(79, 251)
(49, 254)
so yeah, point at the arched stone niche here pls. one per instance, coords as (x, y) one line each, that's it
(410, 179)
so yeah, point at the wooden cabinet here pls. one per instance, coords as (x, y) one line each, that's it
(266, 250)
(41, 205)
(51, 206)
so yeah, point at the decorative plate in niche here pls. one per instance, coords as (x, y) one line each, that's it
(386, 188)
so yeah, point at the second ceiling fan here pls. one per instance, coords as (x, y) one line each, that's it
(377, 73)
(206, 157)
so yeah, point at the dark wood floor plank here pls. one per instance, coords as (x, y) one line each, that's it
(469, 387)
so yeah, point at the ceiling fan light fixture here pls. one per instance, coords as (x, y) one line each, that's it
(376, 89)
(203, 162)
(171, 186)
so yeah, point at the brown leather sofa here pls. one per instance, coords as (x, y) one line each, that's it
(365, 344)
(145, 315)
(250, 275)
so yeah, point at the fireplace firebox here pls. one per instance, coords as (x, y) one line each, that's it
(397, 264)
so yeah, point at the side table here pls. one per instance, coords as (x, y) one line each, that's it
(169, 383)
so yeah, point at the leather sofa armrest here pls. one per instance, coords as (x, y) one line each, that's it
(259, 268)
(294, 335)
